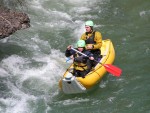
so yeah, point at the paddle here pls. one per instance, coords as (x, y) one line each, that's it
(110, 68)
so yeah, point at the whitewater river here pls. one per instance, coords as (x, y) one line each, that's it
(32, 60)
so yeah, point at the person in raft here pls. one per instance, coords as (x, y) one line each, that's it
(82, 64)
(93, 40)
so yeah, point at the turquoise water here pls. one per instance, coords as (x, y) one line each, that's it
(32, 61)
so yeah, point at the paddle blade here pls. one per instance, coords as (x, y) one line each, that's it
(113, 69)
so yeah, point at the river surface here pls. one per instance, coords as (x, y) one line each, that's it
(32, 61)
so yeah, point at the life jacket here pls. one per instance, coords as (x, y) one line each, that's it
(79, 65)
(90, 40)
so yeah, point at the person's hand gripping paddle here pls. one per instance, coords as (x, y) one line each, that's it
(109, 67)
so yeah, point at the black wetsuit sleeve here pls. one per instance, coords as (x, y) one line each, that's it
(89, 54)
(68, 53)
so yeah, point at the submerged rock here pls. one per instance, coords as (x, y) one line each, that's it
(11, 21)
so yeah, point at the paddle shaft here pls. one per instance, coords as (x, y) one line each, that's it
(110, 68)
(83, 54)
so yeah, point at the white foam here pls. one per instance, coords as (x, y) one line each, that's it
(73, 101)
(78, 2)
(3, 73)
(13, 64)
(22, 68)
(144, 13)
(80, 10)
(43, 78)
(19, 104)
(4, 40)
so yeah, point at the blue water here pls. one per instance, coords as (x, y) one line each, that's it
(32, 61)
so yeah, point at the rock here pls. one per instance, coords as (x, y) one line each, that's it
(11, 21)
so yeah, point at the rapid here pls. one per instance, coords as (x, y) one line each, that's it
(32, 61)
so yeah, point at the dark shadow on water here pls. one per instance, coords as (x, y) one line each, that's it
(8, 49)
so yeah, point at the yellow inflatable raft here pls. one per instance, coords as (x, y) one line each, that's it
(70, 84)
